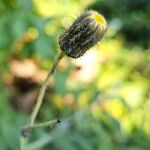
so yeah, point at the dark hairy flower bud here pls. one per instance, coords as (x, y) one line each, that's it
(86, 31)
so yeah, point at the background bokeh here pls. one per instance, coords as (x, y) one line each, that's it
(102, 98)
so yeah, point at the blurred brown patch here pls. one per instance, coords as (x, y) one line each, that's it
(23, 83)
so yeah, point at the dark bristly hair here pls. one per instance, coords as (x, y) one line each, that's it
(86, 31)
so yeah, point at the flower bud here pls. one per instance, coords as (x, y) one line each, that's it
(86, 31)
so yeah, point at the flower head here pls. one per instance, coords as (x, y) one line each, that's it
(86, 31)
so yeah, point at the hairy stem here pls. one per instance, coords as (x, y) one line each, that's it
(25, 133)
(43, 88)
(43, 124)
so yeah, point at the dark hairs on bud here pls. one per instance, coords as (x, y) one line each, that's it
(85, 32)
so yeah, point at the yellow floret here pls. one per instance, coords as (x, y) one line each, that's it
(99, 18)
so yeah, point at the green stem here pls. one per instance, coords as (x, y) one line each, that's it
(26, 129)
(43, 88)
(43, 124)
(23, 143)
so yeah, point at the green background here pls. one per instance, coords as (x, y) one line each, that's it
(103, 98)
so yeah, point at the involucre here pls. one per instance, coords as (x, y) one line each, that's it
(86, 31)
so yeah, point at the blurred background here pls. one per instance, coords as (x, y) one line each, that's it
(102, 98)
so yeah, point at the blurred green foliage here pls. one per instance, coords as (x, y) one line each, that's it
(132, 18)
(103, 98)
